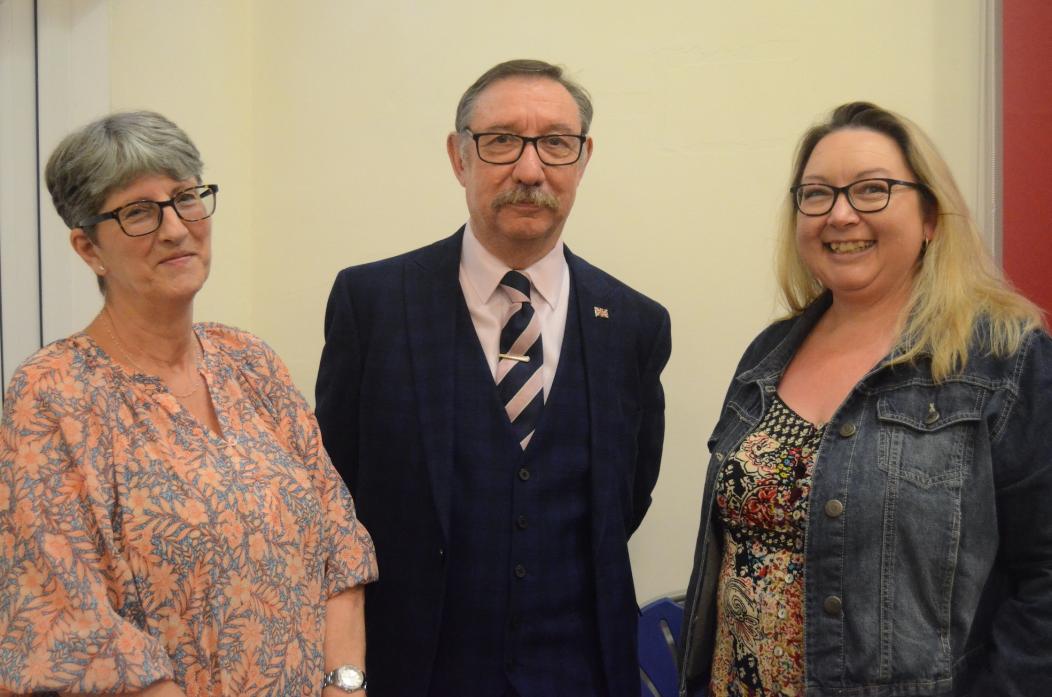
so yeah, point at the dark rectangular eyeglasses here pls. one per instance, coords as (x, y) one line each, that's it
(140, 218)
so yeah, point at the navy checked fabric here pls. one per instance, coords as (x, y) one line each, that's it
(520, 380)
(519, 594)
(392, 406)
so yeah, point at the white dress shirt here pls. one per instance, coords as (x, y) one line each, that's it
(490, 307)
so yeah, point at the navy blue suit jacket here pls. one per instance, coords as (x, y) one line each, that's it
(384, 402)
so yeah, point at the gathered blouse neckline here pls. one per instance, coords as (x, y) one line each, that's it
(213, 370)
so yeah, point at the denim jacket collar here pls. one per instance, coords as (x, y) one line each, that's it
(768, 371)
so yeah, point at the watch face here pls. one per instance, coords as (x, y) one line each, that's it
(349, 678)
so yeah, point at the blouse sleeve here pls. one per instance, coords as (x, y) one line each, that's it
(59, 629)
(350, 559)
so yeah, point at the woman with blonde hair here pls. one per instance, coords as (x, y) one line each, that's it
(875, 519)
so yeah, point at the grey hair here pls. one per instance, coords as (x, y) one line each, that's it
(110, 153)
(523, 68)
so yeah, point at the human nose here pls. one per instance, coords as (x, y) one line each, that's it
(172, 227)
(528, 168)
(842, 212)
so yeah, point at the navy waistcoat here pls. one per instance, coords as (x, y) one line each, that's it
(519, 608)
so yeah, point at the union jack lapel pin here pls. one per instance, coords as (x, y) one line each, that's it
(601, 312)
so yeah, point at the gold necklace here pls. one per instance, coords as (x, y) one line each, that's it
(111, 329)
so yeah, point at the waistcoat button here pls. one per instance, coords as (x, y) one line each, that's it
(848, 430)
(834, 508)
(520, 571)
(832, 606)
(524, 474)
(521, 523)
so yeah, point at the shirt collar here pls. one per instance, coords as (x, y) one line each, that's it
(484, 271)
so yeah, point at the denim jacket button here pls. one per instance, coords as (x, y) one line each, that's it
(834, 508)
(848, 430)
(833, 606)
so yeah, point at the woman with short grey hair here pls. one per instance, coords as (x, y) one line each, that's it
(169, 521)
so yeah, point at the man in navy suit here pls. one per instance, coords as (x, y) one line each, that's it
(494, 403)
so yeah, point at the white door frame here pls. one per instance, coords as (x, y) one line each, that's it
(54, 76)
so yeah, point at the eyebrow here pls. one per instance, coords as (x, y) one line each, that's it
(171, 195)
(864, 174)
(509, 128)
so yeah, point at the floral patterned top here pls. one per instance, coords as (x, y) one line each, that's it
(137, 545)
(762, 494)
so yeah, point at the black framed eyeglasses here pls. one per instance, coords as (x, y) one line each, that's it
(140, 218)
(864, 195)
(554, 150)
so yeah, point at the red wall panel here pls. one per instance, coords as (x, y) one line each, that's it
(1027, 163)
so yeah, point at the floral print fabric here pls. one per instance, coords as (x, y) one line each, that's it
(762, 494)
(138, 545)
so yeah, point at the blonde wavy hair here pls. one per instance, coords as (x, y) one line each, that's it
(957, 285)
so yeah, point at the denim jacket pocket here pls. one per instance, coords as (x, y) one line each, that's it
(926, 432)
(925, 442)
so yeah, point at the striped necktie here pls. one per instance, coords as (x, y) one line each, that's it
(520, 380)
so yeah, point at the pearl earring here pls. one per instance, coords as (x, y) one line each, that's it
(102, 269)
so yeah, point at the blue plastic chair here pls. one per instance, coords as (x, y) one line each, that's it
(659, 625)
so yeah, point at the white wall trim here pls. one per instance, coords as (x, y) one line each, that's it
(19, 257)
(73, 52)
(54, 77)
(990, 151)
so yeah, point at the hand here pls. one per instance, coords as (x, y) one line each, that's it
(161, 688)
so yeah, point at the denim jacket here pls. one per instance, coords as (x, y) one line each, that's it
(928, 551)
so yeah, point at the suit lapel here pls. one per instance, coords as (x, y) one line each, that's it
(599, 330)
(432, 291)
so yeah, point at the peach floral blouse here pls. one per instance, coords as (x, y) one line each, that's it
(137, 545)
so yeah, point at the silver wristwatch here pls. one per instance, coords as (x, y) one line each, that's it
(348, 678)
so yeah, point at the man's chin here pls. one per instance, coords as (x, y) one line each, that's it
(527, 233)
(526, 216)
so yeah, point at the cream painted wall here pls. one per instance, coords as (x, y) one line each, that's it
(324, 122)
(191, 61)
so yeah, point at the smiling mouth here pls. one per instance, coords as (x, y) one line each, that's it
(178, 258)
(849, 247)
